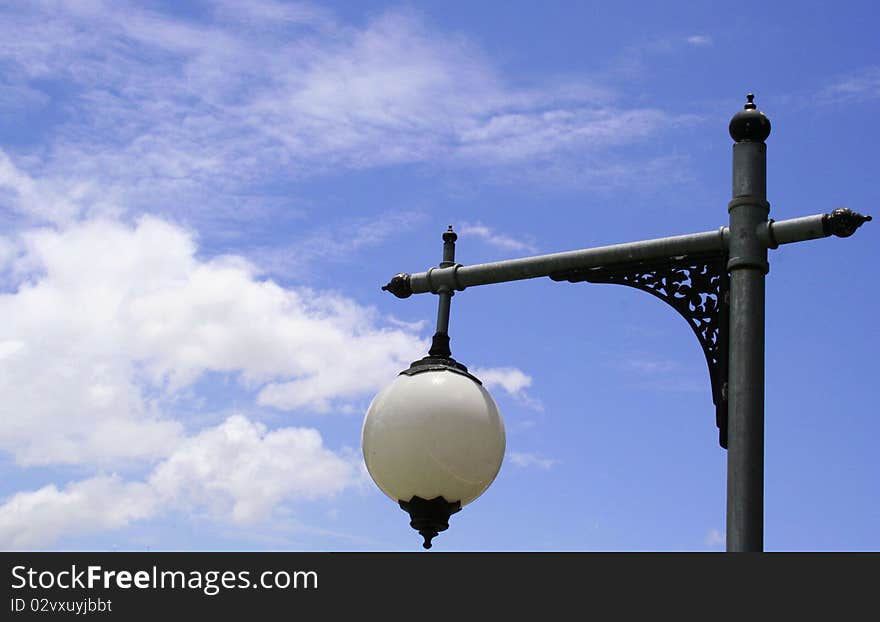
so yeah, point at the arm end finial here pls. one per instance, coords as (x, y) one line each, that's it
(399, 286)
(843, 222)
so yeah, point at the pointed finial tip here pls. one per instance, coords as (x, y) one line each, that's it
(427, 543)
(750, 105)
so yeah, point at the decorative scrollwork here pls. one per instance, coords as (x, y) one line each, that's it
(697, 286)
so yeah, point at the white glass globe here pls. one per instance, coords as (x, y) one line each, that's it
(436, 433)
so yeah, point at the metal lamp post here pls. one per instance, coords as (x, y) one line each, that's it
(714, 279)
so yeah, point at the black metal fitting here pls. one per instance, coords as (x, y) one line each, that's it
(440, 346)
(438, 363)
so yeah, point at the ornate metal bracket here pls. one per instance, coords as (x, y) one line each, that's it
(697, 286)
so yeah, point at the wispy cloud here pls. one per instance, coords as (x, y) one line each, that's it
(661, 375)
(157, 111)
(858, 86)
(637, 58)
(338, 242)
(498, 240)
(646, 366)
(526, 460)
(714, 538)
(699, 40)
(672, 385)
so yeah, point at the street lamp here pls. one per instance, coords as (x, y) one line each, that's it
(433, 440)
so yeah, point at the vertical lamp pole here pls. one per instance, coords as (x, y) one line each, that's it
(713, 279)
(748, 266)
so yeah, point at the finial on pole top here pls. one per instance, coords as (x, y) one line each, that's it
(449, 235)
(749, 124)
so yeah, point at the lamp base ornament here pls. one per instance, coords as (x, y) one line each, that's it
(429, 517)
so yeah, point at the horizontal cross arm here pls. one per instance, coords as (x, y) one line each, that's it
(841, 222)
(460, 277)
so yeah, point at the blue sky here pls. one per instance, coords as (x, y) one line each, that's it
(199, 202)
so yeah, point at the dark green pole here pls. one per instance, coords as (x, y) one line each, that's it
(748, 268)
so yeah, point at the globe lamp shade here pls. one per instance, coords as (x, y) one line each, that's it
(433, 441)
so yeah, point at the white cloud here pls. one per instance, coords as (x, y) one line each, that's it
(510, 379)
(237, 470)
(111, 321)
(242, 470)
(525, 460)
(498, 240)
(34, 519)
